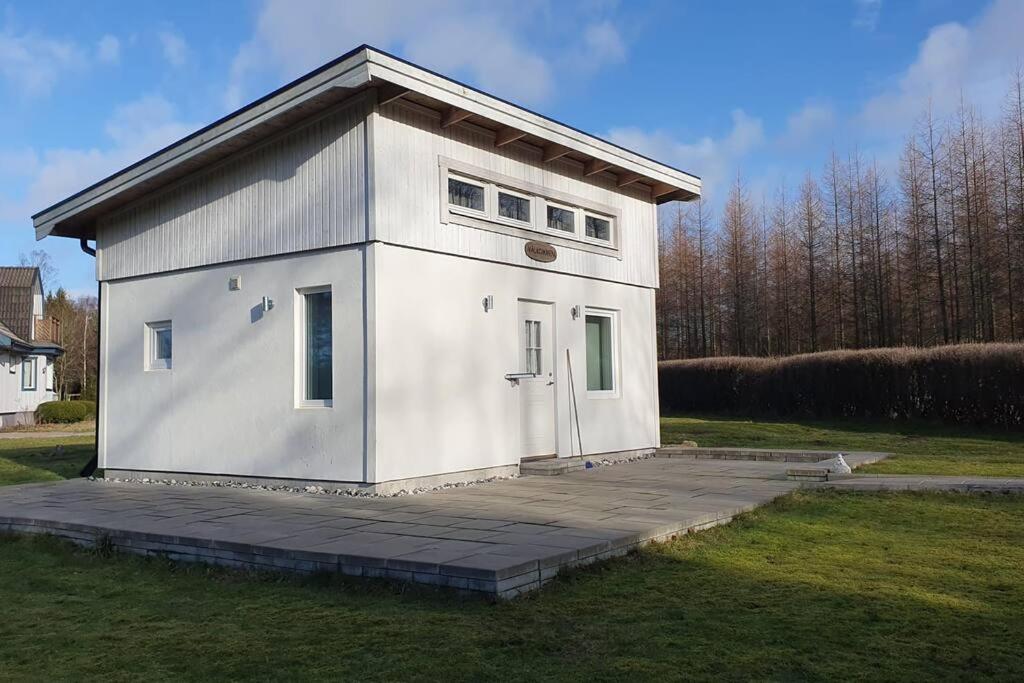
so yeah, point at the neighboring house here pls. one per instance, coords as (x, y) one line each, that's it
(29, 343)
(374, 274)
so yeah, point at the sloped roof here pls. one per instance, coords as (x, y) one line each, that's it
(16, 289)
(18, 276)
(391, 78)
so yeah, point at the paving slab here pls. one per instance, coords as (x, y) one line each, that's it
(500, 538)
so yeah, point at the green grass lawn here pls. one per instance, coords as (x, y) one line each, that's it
(815, 586)
(27, 460)
(917, 448)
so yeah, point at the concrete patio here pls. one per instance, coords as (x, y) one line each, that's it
(501, 538)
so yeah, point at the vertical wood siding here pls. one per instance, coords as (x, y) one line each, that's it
(407, 144)
(304, 190)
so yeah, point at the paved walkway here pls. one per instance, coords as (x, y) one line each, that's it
(501, 538)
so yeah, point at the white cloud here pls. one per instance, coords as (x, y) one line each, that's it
(135, 130)
(108, 49)
(807, 123)
(714, 160)
(34, 63)
(953, 58)
(867, 14)
(174, 47)
(496, 45)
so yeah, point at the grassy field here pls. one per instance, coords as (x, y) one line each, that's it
(918, 448)
(27, 460)
(815, 586)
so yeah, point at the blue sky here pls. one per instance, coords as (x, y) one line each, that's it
(763, 88)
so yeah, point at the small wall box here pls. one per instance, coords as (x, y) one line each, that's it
(234, 283)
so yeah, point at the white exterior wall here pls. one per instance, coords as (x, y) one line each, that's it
(13, 399)
(305, 189)
(407, 142)
(227, 405)
(442, 403)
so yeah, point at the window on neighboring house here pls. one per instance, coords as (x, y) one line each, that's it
(28, 374)
(158, 345)
(599, 228)
(561, 219)
(513, 207)
(465, 194)
(600, 353)
(317, 348)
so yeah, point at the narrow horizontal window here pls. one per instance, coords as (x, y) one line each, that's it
(159, 347)
(561, 219)
(465, 194)
(599, 228)
(513, 207)
(600, 373)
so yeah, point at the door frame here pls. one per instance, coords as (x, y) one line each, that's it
(555, 413)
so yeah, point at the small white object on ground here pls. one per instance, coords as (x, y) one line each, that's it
(836, 465)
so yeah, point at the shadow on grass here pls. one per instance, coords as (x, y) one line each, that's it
(29, 460)
(815, 586)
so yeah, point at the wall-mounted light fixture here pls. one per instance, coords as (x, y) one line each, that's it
(575, 310)
(488, 303)
(268, 303)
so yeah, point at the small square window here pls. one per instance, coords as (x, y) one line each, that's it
(28, 374)
(513, 207)
(600, 353)
(158, 342)
(599, 228)
(465, 194)
(561, 219)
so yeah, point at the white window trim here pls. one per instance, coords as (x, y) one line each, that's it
(26, 363)
(539, 198)
(465, 210)
(613, 316)
(151, 362)
(301, 402)
(576, 212)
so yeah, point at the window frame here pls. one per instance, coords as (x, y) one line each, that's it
(466, 210)
(574, 210)
(540, 198)
(154, 364)
(599, 216)
(530, 200)
(26, 363)
(613, 317)
(301, 354)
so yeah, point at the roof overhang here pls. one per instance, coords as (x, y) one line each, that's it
(390, 78)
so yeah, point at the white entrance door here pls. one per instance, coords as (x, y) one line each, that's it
(535, 340)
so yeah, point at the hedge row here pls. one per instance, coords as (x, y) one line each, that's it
(65, 411)
(979, 384)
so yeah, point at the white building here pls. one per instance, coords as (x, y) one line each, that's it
(374, 274)
(29, 343)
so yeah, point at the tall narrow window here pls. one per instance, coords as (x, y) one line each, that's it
(532, 347)
(600, 357)
(158, 345)
(317, 347)
(28, 374)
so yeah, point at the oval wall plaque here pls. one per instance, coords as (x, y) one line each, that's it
(541, 251)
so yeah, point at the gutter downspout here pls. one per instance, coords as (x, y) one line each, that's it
(90, 467)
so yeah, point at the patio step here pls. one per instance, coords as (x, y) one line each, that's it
(807, 474)
(551, 466)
